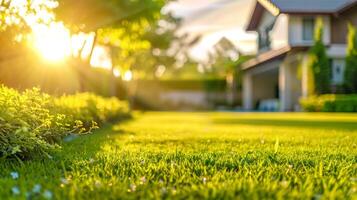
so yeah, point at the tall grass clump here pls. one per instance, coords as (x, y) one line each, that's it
(33, 123)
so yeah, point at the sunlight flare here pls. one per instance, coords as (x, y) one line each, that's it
(52, 41)
(128, 76)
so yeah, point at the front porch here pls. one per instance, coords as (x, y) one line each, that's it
(274, 80)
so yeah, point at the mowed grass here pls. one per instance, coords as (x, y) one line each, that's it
(199, 156)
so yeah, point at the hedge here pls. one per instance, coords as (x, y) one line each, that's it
(33, 123)
(330, 103)
(210, 85)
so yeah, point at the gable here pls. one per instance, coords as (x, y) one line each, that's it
(276, 7)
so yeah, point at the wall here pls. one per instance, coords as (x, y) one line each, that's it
(279, 34)
(296, 30)
(178, 94)
(339, 25)
(337, 51)
(290, 84)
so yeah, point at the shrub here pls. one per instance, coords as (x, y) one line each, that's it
(351, 60)
(88, 107)
(319, 62)
(330, 103)
(33, 123)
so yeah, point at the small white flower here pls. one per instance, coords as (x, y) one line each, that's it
(317, 196)
(70, 138)
(132, 188)
(204, 180)
(97, 184)
(36, 188)
(142, 180)
(64, 181)
(15, 190)
(163, 190)
(284, 184)
(47, 194)
(14, 175)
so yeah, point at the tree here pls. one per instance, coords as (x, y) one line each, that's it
(22, 14)
(16, 19)
(351, 60)
(114, 22)
(91, 15)
(118, 24)
(319, 62)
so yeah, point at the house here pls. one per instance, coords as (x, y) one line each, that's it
(225, 48)
(285, 30)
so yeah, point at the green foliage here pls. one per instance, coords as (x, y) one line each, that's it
(351, 60)
(88, 107)
(33, 123)
(215, 85)
(137, 45)
(18, 16)
(27, 127)
(330, 103)
(201, 156)
(319, 62)
(127, 27)
(16, 19)
(91, 15)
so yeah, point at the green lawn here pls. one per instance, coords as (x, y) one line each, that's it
(196, 156)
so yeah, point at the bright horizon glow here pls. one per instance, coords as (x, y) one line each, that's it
(52, 41)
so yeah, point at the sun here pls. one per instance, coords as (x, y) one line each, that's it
(53, 41)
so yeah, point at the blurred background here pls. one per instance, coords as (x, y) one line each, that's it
(160, 55)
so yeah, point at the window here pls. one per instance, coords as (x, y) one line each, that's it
(308, 29)
(338, 71)
(264, 39)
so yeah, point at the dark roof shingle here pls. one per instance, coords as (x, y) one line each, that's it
(311, 6)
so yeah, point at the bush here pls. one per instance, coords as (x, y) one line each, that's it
(351, 60)
(330, 103)
(319, 62)
(33, 123)
(88, 107)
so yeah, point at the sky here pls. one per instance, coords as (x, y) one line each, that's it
(214, 19)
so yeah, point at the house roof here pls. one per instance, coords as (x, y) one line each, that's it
(265, 57)
(310, 6)
(270, 56)
(298, 7)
